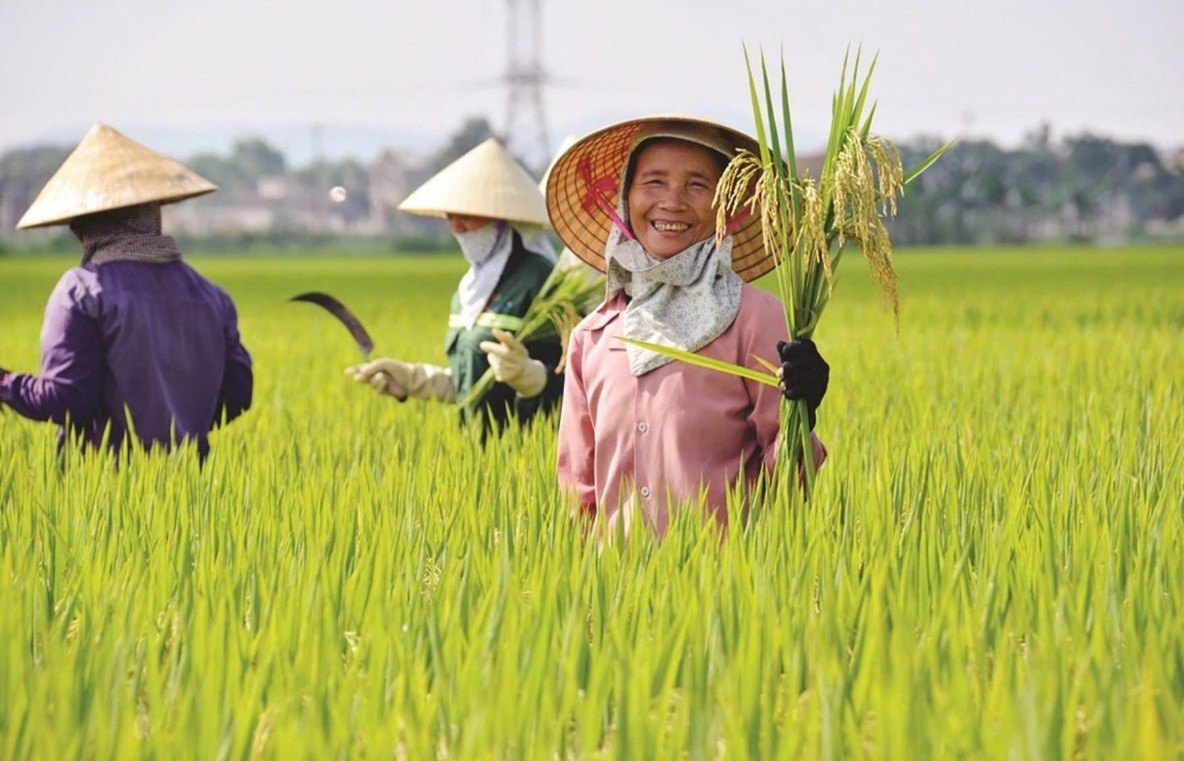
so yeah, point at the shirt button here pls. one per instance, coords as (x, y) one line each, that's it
(645, 491)
(642, 427)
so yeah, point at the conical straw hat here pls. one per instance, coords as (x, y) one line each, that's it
(485, 182)
(110, 171)
(587, 178)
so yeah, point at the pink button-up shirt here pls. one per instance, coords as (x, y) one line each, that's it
(677, 433)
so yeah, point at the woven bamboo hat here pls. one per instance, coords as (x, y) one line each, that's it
(585, 183)
(110, 171)
(485, 182)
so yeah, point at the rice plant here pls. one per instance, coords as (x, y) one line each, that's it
(989, 565)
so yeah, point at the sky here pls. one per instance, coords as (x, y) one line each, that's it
(346, 77)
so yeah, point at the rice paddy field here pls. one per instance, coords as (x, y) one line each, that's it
(991, 565)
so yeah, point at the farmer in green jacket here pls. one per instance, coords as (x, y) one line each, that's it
(498, 216)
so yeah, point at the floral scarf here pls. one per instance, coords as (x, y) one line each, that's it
(685, 301)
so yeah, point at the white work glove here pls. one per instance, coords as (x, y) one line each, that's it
(391, 377)
(512, 365)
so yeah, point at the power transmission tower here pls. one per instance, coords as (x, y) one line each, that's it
(525, 78)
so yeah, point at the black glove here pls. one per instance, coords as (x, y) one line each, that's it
(804, 374)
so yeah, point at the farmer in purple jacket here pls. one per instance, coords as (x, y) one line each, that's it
(134, 330)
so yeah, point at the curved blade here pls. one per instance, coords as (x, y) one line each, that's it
(339, 310)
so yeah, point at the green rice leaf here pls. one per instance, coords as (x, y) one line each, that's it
(925, 163)
(774, 137)
(701, 361)
(866, 130)
(791, 156)
(766, 364)
(790, 151)
(756, 109)
(857, 110)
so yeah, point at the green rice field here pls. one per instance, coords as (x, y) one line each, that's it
(991, 565)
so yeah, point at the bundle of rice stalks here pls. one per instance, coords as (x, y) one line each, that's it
(808, 223)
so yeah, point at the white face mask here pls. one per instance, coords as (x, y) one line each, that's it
(487, 250)
(477, 245)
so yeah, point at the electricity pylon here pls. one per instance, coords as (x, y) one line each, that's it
(525, 78)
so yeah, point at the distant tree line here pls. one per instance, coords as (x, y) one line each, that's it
(1080, 188)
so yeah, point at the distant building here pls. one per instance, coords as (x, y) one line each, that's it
(289, 204)
(393, 175)
(278, 204)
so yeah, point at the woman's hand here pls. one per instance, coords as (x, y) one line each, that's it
(804, 374)
(512, 365)
(390, 377)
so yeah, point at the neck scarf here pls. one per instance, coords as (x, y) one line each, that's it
(131, 234)
(685, 301)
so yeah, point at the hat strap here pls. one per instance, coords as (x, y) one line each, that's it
(597, 194)
(736, 221)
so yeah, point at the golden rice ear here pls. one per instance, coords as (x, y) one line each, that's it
(737, 192)
(866, 178)
(812, 225)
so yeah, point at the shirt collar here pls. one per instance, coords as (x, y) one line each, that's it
(610, 310)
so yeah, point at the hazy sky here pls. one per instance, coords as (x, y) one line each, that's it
(204, 70)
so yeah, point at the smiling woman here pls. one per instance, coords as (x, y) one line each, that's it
(640, 435)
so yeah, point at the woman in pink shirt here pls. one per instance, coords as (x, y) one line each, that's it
(640, 433)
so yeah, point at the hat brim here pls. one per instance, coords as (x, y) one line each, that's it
(587, 178)
(111, 204)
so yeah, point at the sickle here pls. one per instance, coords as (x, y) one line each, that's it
(347, 318)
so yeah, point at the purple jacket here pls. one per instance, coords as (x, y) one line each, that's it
(158, 339)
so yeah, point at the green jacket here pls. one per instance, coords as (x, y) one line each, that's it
(520, 282)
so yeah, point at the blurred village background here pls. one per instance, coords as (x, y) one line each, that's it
(1056, 183)
(1078, 188)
